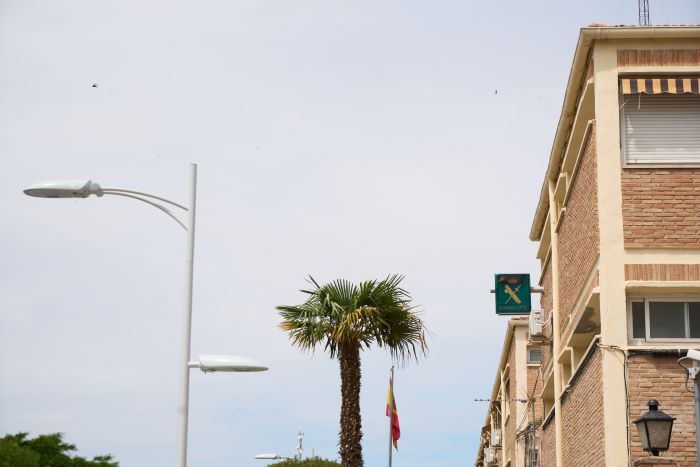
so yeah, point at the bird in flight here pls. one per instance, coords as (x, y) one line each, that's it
(94, 85)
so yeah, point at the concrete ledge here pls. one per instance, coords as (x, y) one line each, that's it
(653, 461)
(662, 286)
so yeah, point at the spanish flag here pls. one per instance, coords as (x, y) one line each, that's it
(394, 414)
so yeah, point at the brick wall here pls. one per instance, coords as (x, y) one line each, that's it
(659, 377)
(579, 239)
(661, 207)
(668, 57)
(548, 454)
(662, 272)
(582, 416)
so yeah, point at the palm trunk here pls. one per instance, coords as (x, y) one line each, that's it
(350, 418)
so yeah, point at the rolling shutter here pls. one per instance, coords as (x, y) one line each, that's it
(661, 128)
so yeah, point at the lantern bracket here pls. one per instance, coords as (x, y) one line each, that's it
(693, 372)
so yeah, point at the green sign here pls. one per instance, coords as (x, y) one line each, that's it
(513, 294)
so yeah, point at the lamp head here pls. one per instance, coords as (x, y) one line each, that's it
(694, 354)
(234, 363)
(271, 456)
(64, 189)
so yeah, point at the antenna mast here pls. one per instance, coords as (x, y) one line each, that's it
(300, 448)
(643, 12)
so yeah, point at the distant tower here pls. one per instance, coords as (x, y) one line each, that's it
(300, 448)
(643, 12)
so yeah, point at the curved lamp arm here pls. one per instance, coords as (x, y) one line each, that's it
(140, 193)
(85, 188)
(155, 205)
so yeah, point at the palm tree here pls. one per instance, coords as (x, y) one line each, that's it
(346, 318)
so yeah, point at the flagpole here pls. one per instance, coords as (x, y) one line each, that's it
(391, 410)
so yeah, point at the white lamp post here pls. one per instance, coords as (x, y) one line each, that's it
(85, 188)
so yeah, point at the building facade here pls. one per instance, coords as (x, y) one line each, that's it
(509, 436)
(618, 228)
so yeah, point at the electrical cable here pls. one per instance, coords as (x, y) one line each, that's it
(627, 399)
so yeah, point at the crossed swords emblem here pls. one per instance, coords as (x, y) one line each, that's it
(512, 294)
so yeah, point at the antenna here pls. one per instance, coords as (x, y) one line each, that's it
(643, 12)
(300, 448)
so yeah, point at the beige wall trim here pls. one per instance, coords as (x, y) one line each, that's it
(662, 286)
(662, 256)
(556, 337)
(613, 300)
(647, 166)
(545, 263)
(548, 418)
(520, 338)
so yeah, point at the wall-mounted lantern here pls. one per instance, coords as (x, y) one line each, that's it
(654, 428)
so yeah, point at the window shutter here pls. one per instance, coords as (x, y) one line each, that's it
(661, 129)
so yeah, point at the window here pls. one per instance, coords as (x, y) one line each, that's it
(664, 319)
(534, 356)
(660, 121)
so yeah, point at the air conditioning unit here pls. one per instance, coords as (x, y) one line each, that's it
(536, 325)
(490, 456)
(496, 437)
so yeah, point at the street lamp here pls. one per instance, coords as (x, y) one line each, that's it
(272, 456)
(85, 188)
(654, 429)
(212, 363)
(298, 456)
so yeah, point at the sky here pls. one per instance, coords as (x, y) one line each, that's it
(341, 139)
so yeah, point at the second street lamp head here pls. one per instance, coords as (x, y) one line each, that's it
(234, 363)
(270, 456)
(64, 189)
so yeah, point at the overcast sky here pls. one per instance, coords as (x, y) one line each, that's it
(348, 139)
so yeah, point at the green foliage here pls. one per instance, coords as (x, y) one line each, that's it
(45, 450)
(372, 312)
(309, 462)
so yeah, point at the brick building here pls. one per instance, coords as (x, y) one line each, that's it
(509, 434)
(618, 228)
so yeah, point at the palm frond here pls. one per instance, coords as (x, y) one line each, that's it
(373, 312)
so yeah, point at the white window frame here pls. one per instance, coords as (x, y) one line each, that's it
(624, 100)
(529, 359)
(651, 298)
